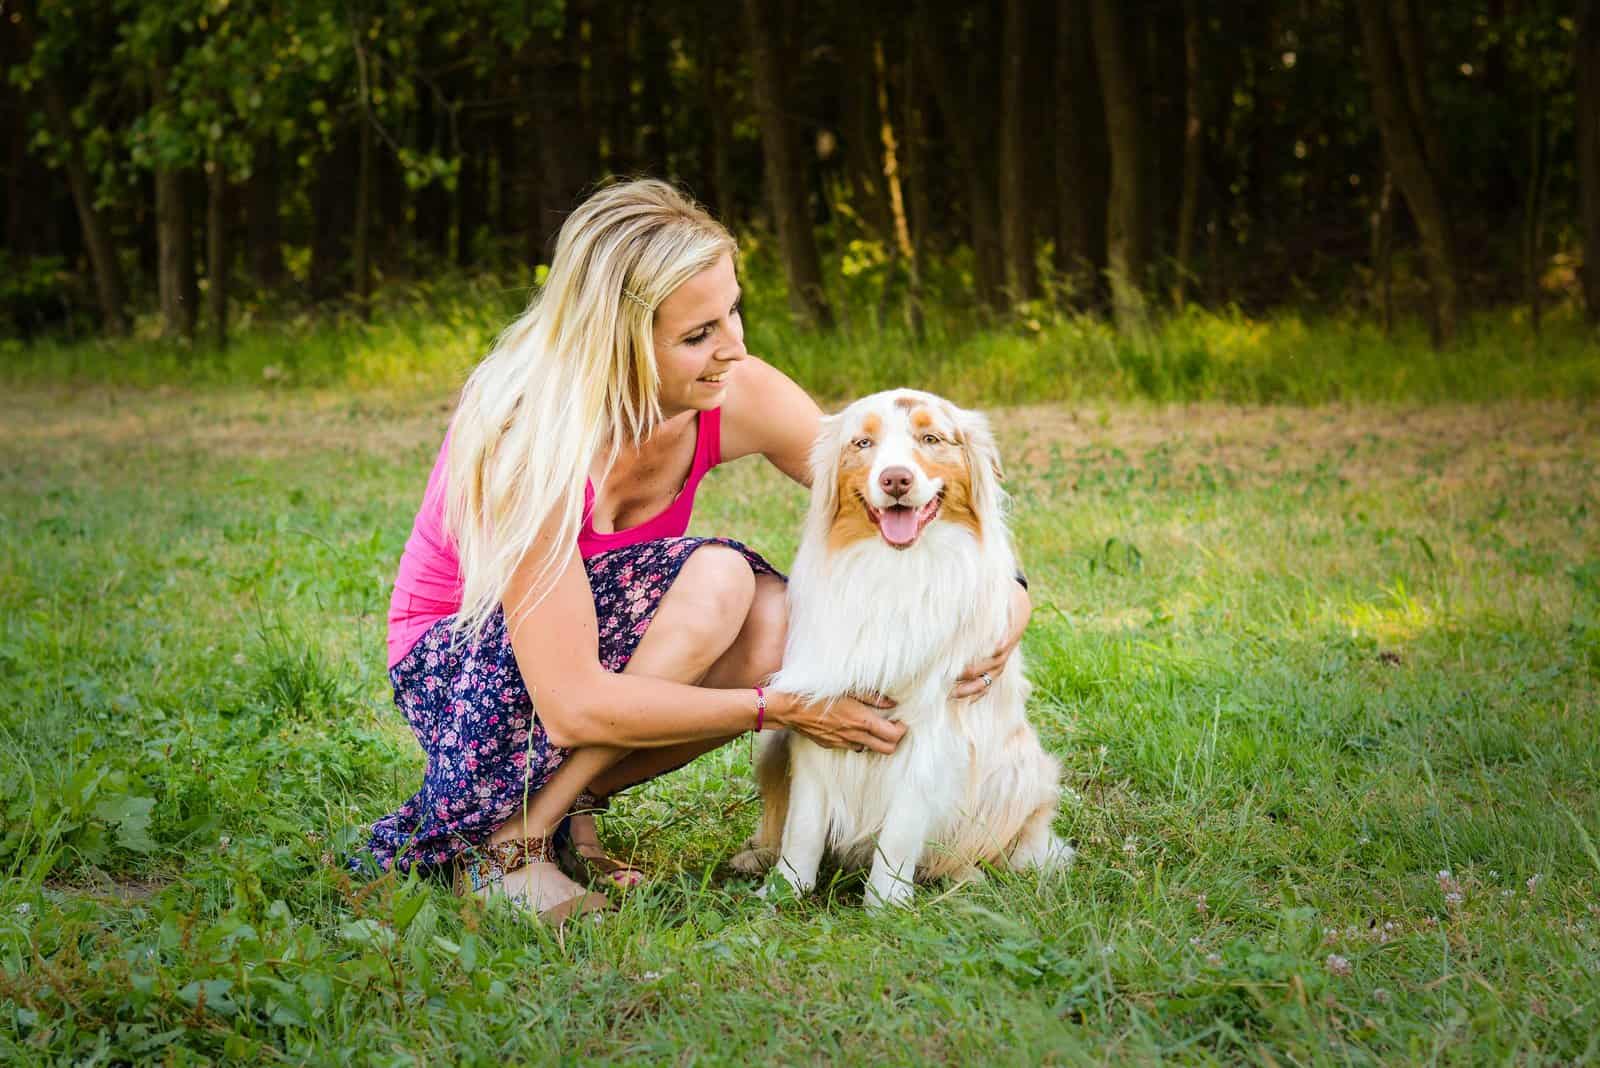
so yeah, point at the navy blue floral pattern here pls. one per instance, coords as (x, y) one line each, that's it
(466, 703)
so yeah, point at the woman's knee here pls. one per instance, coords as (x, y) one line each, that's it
(714, 591)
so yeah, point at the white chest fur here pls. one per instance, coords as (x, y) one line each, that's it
(875, 620)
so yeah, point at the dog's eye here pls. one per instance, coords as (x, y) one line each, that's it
(931, 439)
(862, 443)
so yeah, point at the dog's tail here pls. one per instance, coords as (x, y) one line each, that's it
(772, 779)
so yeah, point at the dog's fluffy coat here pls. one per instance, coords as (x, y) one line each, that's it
(969, 782)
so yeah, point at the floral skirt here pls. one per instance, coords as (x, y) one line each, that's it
(466, 703)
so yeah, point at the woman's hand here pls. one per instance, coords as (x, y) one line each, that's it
(970, 683)
(840, 723)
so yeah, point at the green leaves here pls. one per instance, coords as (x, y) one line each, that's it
(131, 818)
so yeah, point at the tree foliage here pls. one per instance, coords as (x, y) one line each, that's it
(1059, 150)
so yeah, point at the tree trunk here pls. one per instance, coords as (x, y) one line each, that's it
(655, 56)
(1016, 233)
(915, 175)
(174, 256)
(261, 213)
(1193, 146)
(361, 225)
(785, 171)
(1382, 253)
(1128, 224)
(216, 254)
(1533, 212)
(175, 278)
(565, 150)
(472, 194)
(1413, 65)
(332, 207)
(611, 35)
(1407, 154)
(863, 118)
(432, 200)
(534, 230)
(720, 110)
(1588, 138)
(897, 204)
(1080, 156)
(949, 66)
(110, 290)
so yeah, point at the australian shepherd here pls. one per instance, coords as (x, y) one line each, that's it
(902, 579)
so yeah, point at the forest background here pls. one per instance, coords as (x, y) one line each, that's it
(206, 165)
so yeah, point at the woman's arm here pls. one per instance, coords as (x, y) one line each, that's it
(579, 703)
(766, 413)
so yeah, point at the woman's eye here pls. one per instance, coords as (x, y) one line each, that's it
(695, 339)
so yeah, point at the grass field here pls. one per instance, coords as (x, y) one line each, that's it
(1323, 680)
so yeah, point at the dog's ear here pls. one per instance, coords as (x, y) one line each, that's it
(983, 461)
(824, 467)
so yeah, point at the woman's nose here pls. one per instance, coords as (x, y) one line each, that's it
(734, 349)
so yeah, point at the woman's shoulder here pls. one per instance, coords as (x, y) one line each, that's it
(766, 412)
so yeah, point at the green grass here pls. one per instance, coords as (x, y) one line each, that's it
(1297, 662)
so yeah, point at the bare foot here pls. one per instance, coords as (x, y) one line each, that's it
(539, 886)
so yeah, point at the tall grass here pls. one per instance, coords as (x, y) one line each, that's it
(425, 336)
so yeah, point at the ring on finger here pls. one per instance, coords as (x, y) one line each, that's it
(988, 679)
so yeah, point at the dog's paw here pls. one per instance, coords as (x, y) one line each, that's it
(970, 874)
(1060, 855)
(752, 861)
(778, 891)
(899, 894)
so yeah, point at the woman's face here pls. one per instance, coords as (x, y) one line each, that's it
(699, 340)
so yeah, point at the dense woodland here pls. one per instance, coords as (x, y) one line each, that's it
(1377, 156)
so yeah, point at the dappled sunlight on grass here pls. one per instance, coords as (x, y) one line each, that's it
(1396, 617)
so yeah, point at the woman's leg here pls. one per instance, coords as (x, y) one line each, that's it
(755, 653)
(698, 624)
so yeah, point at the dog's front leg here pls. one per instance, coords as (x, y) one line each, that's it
(805, 833)
(900, 846)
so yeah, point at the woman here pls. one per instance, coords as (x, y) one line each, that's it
(548, 558)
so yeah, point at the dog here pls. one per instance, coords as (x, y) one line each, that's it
(903, 577)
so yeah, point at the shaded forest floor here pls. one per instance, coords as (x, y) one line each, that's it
(1323, 680)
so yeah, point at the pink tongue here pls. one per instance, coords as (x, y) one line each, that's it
(899, 525)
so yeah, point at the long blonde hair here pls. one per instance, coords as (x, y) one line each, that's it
(572, 378)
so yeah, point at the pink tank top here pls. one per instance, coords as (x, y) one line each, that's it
(428, 585)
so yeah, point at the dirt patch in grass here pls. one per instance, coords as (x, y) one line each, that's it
(96, 885)
(1448, 445)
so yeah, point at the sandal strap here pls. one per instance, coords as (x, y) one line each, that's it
(588, 802)
(491, 863)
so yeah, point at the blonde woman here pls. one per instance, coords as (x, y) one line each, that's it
(549, 559)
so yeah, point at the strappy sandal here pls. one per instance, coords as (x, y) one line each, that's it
(591, 862)
(489, 865)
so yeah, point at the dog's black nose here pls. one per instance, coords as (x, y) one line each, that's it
(896, 481)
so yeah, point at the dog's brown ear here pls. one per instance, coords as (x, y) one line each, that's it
(983, 461)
